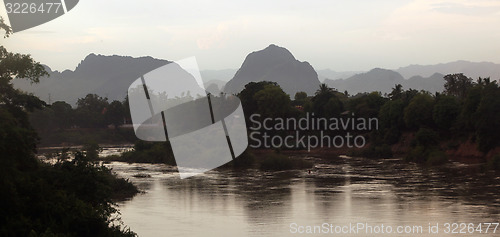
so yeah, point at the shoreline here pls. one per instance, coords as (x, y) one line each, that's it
(466, 153)
(74, 147)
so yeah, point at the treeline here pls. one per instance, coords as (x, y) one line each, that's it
(92, 111)
(467, 110)
(94, 119)
(161, 153)
(69, 198)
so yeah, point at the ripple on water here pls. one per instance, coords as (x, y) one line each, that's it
(254, 203)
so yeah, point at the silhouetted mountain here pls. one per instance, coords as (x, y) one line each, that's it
(275, 64)
(214, 86)
(222, 75)
(375, 80)
(434, 83)
(110, 76)
(470, 69)
(383, 80)
(334, 75)
(107, 76)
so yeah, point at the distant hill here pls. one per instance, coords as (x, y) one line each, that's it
(110, 76)
(214, 86)
(470, 69)
(334, 75)
(375, 80)
(434, 83)
(221, 75)
(275, 64)
(383, 80)
(107, 76)
(429, 77)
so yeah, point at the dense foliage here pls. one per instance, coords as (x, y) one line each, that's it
(92, 111)
(70, 198)
(92, 119)
(466, 111)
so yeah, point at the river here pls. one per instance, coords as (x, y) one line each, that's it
(375, 196)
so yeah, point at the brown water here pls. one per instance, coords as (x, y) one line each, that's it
(340, 192)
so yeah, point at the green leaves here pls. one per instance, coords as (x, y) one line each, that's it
(5, 27)
(419, 112)
(445, 112)
(15, 65)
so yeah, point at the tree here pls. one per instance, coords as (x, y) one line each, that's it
(397, 92)
(246, 96)
(38, 199)
(59, 115)
(445, 112)
(116, 113)
(367, 105)
(272, 102)
(324, 89)
(14, 103)
(419, 112)
(321, 98)
(409, 94)
(488, 118)
(391, 120)
(64, 114)
(334, 107)
(466, 118)
(5, 27)
(391, 114)
(13, 66)
(457, 85)
(300, 98)
(91, 111)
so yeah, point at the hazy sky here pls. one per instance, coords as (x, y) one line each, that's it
(340, 35)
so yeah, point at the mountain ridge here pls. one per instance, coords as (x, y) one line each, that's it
(276, 64)
(110, 76)
(468, 68)
(384, 80)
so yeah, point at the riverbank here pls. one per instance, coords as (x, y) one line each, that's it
(459, 150)
(75, 137)
(273, 159)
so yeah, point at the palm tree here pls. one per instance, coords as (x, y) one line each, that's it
(323, 89)
(397, 92)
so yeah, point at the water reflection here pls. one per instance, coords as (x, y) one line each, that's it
(338, 191)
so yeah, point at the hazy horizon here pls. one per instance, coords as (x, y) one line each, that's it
(235, 69)
(340, 35)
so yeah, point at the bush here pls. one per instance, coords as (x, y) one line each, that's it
(80, 136)
(436, 157)
(149, 152)
(426, 137)
(494, 163)
(392, 135)
(428, 156)
(69, 198)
